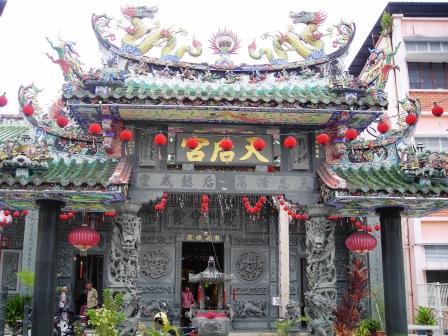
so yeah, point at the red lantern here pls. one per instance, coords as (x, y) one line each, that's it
(351, 134)
(192, 143)
(126, 135)
(205, 199)
(360, 242)
(25, 212)
(63, 217)
(323, 139)
(84, 238)
(383, 127)
(305, 216)
(6, 213)
(16, 214)
(160, 139)
(290, 142)
(95, 129)
(437, 110)
(28, 110)
(226, 144)
(333, 217)
(62, 121)
(352, 219)
(70, 214)
(259, 144)
(3, 100)
(411, 119)
(377, 227)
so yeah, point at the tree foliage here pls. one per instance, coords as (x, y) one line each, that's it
(386, 24)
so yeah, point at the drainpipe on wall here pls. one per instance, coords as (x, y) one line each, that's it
(409, 251)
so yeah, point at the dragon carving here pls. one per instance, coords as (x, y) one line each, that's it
(68, 59)
(140, 39)
(307, 43)
(321, 271)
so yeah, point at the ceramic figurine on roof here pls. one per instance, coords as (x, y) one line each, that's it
(139, 39)
(224, 43)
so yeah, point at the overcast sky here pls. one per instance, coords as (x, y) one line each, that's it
(25, 24)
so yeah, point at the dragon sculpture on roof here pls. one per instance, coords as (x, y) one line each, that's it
(140, 39)
(307, 43)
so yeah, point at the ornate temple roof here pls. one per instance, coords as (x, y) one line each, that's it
(387, 171)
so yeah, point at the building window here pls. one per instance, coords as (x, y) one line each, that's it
(428, 75)
(436, 252)
(426, 46)
(433, 144)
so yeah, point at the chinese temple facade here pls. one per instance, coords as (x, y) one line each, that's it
(172, 162)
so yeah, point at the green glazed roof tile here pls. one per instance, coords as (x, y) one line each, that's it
(9, 132)
(388, 179)
(66, 172)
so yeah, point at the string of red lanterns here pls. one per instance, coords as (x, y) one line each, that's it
(256, 209)
(204, 204)
(160, 206)
(293, 213)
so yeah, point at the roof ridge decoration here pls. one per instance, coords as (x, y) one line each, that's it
(142, 36)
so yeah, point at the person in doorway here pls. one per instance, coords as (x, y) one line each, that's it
(187, 302)
(92, 296)
(63, 300)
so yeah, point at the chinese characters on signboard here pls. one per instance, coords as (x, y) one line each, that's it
(209, 152)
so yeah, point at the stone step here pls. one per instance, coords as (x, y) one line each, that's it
(252, 333)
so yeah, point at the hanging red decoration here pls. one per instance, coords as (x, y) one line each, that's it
(95, 129)
(28, 110)
(360, 242)
(259, 144)
(70, 214)
(305, 216)
(160, 139)
(126, 135)
(290, 142)
(110, 213)
(411, 119)
(204, 204)
(377, 227)
(333, 217)
(351, 134)
(62, 121)
(192, 143)
(323, 139)
(16, 214)
(383, 127)
(226, 144)
(63, 216)
(3, 100)
(437, 110)
(352, 219)
(84, 238)
(25, 212)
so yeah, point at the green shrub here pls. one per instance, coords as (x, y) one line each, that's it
(14, 308)
(371, 325)
(283, 327)
(425, 316)
(106, 319)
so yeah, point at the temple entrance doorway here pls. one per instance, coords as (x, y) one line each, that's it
(87, 268)
(195, 260)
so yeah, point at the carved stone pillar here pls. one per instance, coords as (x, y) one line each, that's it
(123, 264)
(321, 273)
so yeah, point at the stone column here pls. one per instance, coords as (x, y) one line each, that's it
(321, 273)
(123, 264)
(45, 271)
(30, 244)
(283, 260)
(393, 271)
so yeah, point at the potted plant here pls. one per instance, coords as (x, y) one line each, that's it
(373, 326)
(425, 317)
(283, 327)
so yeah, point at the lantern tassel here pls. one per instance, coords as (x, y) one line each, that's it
(81, 269)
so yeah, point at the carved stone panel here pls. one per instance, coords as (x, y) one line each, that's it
(64, 260)
(250, 265)
(252, 290)
(10, 266)
(250, 309)
(155, 264)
